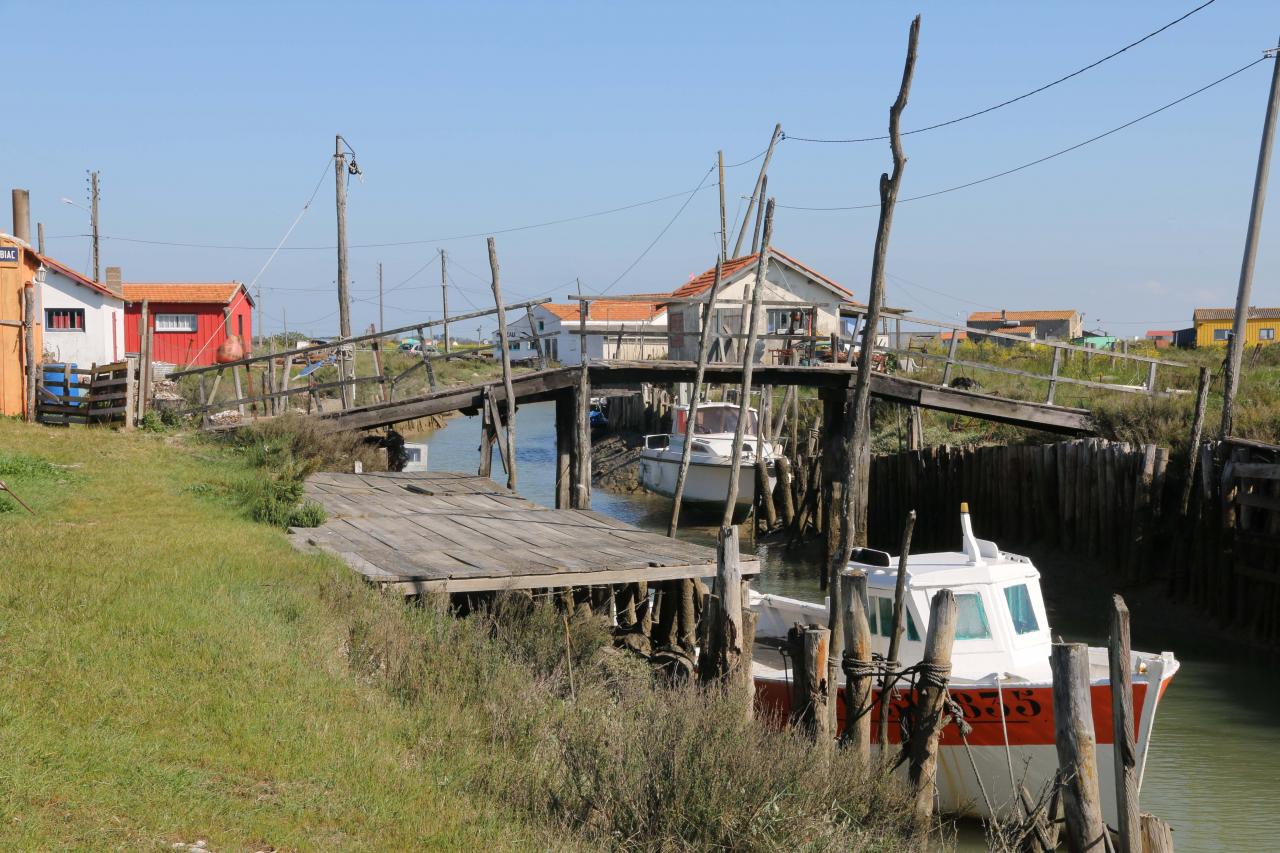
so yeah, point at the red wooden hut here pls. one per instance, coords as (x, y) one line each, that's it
(191, 320)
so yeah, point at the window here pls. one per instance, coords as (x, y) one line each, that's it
(781, 319)
(885, 608)
(722, 419)
(542, 325)
(1221, 334)
(971, 618)
(175, 322)
(64, 319)
(1266, 334)
(513, 346)
(1024, 615)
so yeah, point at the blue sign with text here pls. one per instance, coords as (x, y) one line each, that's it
(8, 254)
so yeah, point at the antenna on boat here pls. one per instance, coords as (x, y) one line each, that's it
(970, 541)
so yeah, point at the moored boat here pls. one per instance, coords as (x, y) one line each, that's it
(710, 462)
(1000, 676)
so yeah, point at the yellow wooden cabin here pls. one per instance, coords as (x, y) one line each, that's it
(1213, 325)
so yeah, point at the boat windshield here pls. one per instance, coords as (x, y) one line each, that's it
(716, 419)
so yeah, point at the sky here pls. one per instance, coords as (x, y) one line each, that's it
(213, 124)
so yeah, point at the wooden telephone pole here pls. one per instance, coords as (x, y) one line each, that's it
(344, 304)
(382, 317)
(757, 193)
(1235, 348)
(94, 195)
(444, 299)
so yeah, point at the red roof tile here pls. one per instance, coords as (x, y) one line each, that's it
(610, 310)
(79, 279)
(700, 284)
(217, 293)
(1019, 316)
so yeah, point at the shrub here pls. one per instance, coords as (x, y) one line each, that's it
(310, 514)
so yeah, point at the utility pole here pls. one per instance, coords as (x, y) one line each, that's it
(1235, 347)
(93, 219)
(344, 306)
(724, 235)
(444, 298)
(755, 194)
(262, 338)
(382, 318)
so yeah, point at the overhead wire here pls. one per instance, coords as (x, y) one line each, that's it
(1024, 95)
(1040, 160)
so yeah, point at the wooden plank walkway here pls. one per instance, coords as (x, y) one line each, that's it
(546, 384)
(448, 532)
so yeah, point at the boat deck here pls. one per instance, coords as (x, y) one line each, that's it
(449, 532)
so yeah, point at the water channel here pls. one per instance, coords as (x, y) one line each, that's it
(1214, 765)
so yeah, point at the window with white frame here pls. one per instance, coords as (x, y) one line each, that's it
(1266, 334)
(175, 322)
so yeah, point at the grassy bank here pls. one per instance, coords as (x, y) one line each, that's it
(176, 671)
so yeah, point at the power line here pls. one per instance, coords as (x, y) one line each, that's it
(664, 230)
(1047, 157)
(1024, 95)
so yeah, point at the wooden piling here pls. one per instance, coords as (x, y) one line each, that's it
(1127, 823)
(1157, 836)
(858, 668)
(783, 467)
(899, 618)
(486, 437)
(1077, 754)
(809, 647)
(1193, 447)
(510, 440)
(564, 450)
(582, 418)
(931, 705)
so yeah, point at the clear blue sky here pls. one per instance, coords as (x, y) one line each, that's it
(211, 123)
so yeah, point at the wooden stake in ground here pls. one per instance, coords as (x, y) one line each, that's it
(506, 368)
(809, 647)
(931, 705)
(29, 355)
(857, 430)
(1128, 828)
(726, 638)
(1077, 754)
(704, 348)
(858, 668)
(748, 365)
(1193, 448)
(756, 193)
(899, 617)
(582, 415)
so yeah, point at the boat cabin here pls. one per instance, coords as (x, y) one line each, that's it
(714, 419)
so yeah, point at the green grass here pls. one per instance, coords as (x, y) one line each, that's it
(172, 672)
(175, 671)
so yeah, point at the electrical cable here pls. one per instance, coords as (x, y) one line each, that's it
(1047, 157)
(1024, 95)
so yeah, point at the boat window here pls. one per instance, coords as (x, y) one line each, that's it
(1024, 615)
(885, 606)
(871, 618)
(714, 419)
(971, 618)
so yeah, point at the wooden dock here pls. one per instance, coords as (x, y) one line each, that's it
(448, 532)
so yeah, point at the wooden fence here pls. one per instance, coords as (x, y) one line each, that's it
(106, 393)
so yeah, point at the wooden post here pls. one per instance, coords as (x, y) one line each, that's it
(931, 706)
(1157, 836)
(951, 357)
(1193, 448)
(1127, 822)
(809, 648)
(915, 429)
(899, 623)
(31, 358)
(507, 388)
(748, 366)
(858, 668)
(582, 435)
(204, 403)
(1077, 758)
(857, 425)
(564, 450)
(486, 436)
(756, 194)
(537, 339)
(783, 466)
(130, 391)
(144, 351)
(704, 348)
(444, 299)
(1053, 375)
(235, 376)
(726, 660)
(503, 437)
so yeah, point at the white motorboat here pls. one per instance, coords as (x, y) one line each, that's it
(1000, 675)
(707, 483)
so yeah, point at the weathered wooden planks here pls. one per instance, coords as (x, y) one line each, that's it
(416, 532)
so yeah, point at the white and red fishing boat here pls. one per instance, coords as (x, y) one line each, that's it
(710, 461)
(1000, 674)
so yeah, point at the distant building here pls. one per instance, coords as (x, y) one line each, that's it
(1185, 338)
(1213, 325)
(1037, 325)
(1096, 339)
(191, 320)
(83, 319)
(787, 280)
(1160, 337)
(613, 330)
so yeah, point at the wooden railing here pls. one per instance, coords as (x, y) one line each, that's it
(110, 394)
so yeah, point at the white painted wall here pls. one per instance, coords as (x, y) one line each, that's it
(602, 338)
(103, 317)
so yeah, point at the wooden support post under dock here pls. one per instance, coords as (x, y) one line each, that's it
(931, 705)
(564, 450)
(809, 647)
(510, 395)
(858, 668)
(1077, 753)
(1128, 828)
(899, 616)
